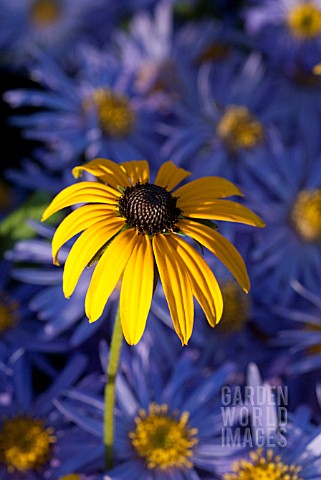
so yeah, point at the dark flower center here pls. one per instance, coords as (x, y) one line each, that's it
(149, 208)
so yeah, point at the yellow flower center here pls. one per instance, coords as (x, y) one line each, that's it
(164, 441)
(236, 308)
(238, 128)
(116, 117)
(306, 215)
(25, 443)
(214, 52)
(313, 349)
(8, 315)
(45, 12)
(261, 467)
(71, 476)
(304, 21)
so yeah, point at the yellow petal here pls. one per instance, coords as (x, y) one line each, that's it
(107, 273)
(106, 170)
(176, 285)
(77, 221)
(204, 284)
(84, 249)
(221, 247)
(204, 190)
(84, 192)
(137, 290)
(169, 176)
(137, 171)
(224, 210)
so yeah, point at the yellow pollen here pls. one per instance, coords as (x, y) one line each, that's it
(9, 316)
(304, 21)
(214, 52)
(263, 467)
(116, 117)
(45, 12)
(236, 308)
(25, 443)
(71, 476)
(238, 128)
(165, 441)
(313, 349)
(306, 215)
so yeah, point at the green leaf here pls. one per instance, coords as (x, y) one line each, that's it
(14, 226)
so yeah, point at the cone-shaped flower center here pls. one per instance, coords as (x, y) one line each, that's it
(8, 315)
(238, 128)
(304, 21)
(164, 441)
(261, 467)
(306, 215)
(25, 443)
(45, 12)
(116, 117)
(236, 308)
(149, 208)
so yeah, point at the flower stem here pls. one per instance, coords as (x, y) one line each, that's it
(113, 362)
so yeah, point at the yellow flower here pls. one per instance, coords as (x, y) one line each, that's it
(136, 230)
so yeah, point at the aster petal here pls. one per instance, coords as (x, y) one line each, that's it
(84, 192)
(85, 248)
(77, 221)
(220, 247)
(169, 176)
(203, 191)
(106, 170)
(137, 170)
(137, 290)
(203, 282)
(176, 285)
(223, 210)
(107, 273)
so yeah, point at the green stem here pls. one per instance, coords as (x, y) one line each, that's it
(114, 355)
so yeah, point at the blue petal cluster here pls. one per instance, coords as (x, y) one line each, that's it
(223, 88)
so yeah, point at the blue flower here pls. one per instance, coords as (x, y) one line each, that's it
(301, 333)
(288, 31)
(54, 26)
(167, 424)
(288, 197)
(35, 439)
(19, 329)
(224, 126)
(96, 113)
(280, 445)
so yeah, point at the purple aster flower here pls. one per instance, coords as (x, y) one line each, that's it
(35, 439)
(19, 328)
(92, 114)
(301, 332)
(288, 197)
(54, 26)
(280, 444)
(224, 127)
(289, 31)
(184, 405)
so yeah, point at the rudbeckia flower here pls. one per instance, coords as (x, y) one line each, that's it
(137, 231)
